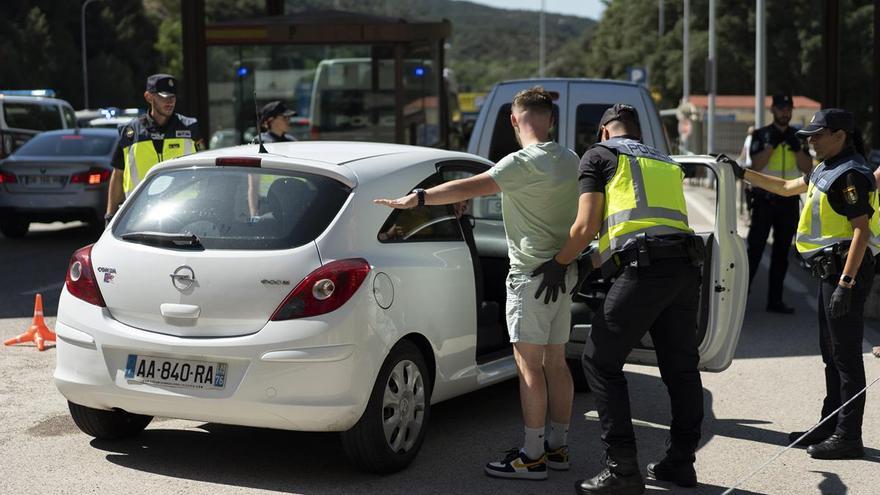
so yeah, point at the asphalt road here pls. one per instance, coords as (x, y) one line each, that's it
(774, 385)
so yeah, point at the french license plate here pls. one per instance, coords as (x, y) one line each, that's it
(44, 180)
(175, 372)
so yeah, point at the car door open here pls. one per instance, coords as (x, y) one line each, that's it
(710, 192)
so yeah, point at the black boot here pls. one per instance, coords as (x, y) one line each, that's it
(620, 477)
(837, 447)
(682, 473)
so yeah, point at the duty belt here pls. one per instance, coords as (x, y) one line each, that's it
(645, 251)
(828, 263)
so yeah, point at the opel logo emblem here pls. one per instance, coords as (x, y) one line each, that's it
(183, 278)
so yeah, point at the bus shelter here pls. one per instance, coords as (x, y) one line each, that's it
(348, 76)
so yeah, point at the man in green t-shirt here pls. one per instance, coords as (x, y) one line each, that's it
(539, 195)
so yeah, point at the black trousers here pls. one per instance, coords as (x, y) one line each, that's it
(840, 340)
(780, 213)
(662, 299)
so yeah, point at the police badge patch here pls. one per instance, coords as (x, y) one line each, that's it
(129, 132)
(850, 194)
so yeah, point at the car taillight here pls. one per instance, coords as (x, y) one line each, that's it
(7, 178)
(324, 290)
(92, 177)
(81, 282)
(238, 161)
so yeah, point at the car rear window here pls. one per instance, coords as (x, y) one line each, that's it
(68, 145)
(34, 116)
(235, 208)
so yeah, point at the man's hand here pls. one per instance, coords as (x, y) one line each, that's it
(737, 169)
(794, 142)
(840, 301)
(773, 136)
(553, 281)
(404, 203)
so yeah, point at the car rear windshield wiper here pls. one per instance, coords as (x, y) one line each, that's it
(163, 238)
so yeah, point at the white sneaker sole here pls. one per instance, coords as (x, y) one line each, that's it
(516, 475)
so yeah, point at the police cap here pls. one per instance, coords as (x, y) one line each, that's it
(782, 100)
(274, 109)
(835, 119)
(619, 111)
(163, 84)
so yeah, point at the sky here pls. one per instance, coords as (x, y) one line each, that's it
(582, 8)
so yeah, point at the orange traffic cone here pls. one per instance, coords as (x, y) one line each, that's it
(38, 332)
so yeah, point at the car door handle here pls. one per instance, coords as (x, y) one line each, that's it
(189, 311)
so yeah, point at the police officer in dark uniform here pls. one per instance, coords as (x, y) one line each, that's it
(777, 151)
(838, 236)
(653, 258)
(160, 134)
(275, 122)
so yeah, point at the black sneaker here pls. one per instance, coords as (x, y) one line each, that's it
(837, 447)
(518, 466)
(815, 436)
(680, 473)
(557, 459)
(608, 482)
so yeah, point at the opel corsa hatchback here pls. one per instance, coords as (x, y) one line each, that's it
(267, 290)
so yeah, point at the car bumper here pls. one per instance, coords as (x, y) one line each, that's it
(302, 375)
(88, 204)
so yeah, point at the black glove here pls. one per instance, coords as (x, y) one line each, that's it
(794, 142)
(840, 300)
(735, 167)
(553, 281)
(773, 136)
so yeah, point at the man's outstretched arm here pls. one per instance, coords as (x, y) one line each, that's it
(447, 193)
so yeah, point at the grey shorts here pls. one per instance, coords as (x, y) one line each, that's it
(531, 321)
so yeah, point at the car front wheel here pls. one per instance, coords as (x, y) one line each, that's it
(107, 425)
(390, 432)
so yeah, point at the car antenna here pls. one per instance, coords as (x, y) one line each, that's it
(259, 131)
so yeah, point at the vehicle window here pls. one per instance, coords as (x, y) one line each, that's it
(35, 116)
(503, 137)
(67, 145)
(586, 125)
(701, 196)
(422, 223)
(236, 208)
(69, 117)
(482, 207)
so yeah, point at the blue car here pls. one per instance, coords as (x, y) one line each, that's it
(58, 175)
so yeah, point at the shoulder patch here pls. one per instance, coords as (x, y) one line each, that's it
(850, 195)
(129, 132)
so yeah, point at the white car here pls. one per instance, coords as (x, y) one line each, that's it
(268, 290)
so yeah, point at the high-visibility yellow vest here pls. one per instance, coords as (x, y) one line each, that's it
(820, 226)
(783, 163)
(178, 138)
(645, 195)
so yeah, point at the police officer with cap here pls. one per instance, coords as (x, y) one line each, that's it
(775, 150)
(653, 258)
(837, 235)
(160, 134)
(275, 122)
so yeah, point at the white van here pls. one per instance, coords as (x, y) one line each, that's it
(578, 106)
(22, 117)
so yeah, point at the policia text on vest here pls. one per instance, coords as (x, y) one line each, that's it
(838, 236)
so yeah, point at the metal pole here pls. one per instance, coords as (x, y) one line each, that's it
(541, 53)
(85, 61)
(660, 18)
(686, 52)
(713, 71)
(831, 46)
(760, 63)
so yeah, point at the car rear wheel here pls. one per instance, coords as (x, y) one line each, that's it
(390, 432)
(14, 228)
(107, 425)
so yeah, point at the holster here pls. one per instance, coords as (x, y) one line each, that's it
(642, 250)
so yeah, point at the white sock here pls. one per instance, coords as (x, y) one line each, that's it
(534, 444)
(558, 435)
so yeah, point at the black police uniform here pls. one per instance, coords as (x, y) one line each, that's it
(840, 339)
(662, 299)
(772, 211)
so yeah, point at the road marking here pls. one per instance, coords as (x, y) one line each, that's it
(45, 288)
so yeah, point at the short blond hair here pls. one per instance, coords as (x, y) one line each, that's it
(535, 98)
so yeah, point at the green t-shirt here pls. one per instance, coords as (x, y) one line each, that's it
(539, 196)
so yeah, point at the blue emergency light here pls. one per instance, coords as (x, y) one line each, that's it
(242, 71)
(419, 71)
(28, 92)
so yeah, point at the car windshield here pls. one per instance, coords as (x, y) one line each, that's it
(232, 208)
(35, 116)
(67, 145)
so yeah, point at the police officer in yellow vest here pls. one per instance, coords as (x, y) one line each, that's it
(775, 150)
(632, 196)
(158, 135)
(838, 237)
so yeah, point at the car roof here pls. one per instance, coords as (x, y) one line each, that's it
(538, 80)
(33, 99)
(334, 157)
(86, 131)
